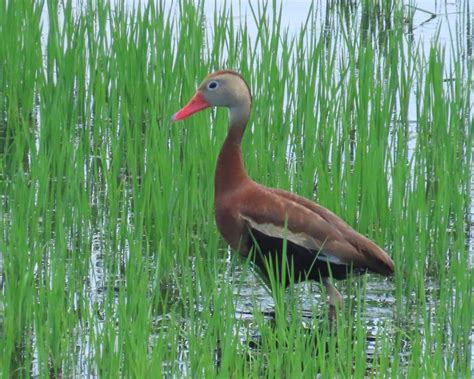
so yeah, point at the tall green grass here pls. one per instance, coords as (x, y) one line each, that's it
(112, 264)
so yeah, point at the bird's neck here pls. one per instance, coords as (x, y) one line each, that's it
(230, 170)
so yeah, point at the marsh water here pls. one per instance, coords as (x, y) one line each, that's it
(446, 21)
(431, 19)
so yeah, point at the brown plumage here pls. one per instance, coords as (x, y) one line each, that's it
(254, 218)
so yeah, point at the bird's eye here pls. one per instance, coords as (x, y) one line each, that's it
(213, 85)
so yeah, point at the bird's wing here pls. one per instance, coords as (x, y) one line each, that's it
(281, 214)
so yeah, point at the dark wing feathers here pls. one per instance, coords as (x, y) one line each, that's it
(302, 264)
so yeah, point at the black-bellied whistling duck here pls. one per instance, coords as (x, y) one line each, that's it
(254, 218)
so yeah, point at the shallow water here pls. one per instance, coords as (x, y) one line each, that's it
(430, 18)
(446, 21)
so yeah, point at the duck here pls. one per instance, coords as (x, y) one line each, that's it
(285, 235)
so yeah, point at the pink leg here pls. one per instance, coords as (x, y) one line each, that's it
(334, 297)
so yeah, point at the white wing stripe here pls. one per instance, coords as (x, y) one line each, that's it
(325, 257)
(301, 239)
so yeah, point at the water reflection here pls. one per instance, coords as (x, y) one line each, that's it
(104, 282)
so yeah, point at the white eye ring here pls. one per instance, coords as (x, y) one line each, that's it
(213, 85)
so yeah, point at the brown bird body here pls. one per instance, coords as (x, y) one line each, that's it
(254, 218)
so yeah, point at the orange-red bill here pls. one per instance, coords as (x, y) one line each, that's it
(196, 104)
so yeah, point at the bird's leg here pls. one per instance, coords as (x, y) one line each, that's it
(335, 298)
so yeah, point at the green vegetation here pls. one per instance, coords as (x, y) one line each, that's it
(112, 264)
